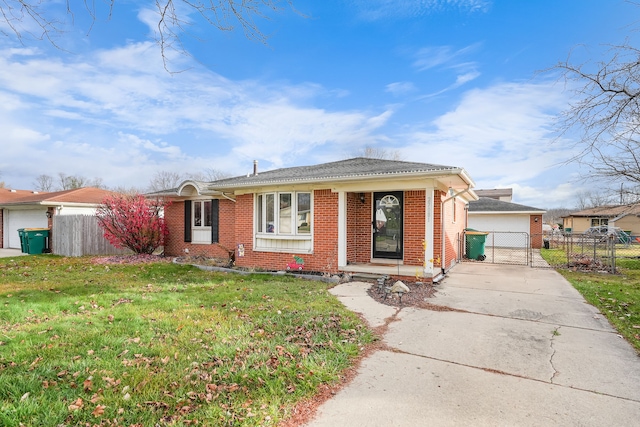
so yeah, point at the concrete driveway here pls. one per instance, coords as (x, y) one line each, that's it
(519, 347)
(6, 253)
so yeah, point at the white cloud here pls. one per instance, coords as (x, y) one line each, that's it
(466, 78)
(501, 134)
(120, 107)
(560, 195)
(172, 152)
(400, 88)
(444, 57)
(373, 10)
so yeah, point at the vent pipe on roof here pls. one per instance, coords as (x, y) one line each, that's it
(255, 168)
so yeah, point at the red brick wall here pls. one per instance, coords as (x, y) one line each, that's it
(359, 229)
(175, 244)
(414, 227)
(535, 231)
(325, 229)
(325, 225)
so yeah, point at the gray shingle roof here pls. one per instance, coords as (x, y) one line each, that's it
(486, 204)
(343, 169)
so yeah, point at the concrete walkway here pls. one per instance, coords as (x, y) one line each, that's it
(520, 348)
(6, 253)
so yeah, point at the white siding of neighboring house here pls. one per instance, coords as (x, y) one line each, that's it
(74, 210)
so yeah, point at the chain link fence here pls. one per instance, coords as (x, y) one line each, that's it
(549, 250)
(591, 252)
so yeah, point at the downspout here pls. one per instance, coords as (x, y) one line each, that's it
(442, 233)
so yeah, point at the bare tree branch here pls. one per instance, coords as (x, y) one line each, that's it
(27, 16)
(378, 153)
(605, 114)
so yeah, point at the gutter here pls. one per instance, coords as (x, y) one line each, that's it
(346, 178)
(227, 197)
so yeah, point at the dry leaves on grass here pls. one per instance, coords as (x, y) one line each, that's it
(130, 259)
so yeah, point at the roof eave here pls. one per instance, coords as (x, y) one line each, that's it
(350, 178)
(508, 212)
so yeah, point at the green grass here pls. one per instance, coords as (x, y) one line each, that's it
(163, 344)
(617, 296)
(554, 256)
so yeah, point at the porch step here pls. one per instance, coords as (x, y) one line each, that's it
(365, 277)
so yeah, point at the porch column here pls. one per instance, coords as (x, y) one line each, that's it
(342, 229)
(429, 233)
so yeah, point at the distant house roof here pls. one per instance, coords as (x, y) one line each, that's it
(614, 211)
(344, 170)
(495, 193)
(7, 194)
(85, 195)
(489, 205)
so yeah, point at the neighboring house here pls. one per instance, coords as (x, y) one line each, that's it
(358, 215)
(31, 209)
(504, 194)
(626, 217)
(514, 225)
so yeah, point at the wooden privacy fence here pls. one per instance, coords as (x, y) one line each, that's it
(79, 235)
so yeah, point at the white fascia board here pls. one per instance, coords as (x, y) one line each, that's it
(507, 213)
(336, 182)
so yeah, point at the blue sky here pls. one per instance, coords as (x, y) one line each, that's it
(451, 82)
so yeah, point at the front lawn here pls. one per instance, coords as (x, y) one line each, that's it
(617, 296)
(163, 344)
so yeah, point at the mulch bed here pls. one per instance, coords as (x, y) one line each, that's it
(417, 297)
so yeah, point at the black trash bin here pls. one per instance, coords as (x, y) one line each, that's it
(546, 243)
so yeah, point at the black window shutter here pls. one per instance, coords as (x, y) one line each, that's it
(187, 220)
(215, 221)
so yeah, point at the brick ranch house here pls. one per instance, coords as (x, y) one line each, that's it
(359, 215)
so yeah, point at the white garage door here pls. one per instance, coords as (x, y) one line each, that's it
(23, 218)
(514, 223)
(510, 228)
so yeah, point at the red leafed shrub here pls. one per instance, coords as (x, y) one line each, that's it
(134, 222)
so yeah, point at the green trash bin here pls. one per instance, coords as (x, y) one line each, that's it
(23, 240)
(474, 243)
(36, 240)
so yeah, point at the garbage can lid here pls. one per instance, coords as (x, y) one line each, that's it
(477, 233)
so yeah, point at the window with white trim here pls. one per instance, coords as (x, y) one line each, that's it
(283, 213)
(201, 213)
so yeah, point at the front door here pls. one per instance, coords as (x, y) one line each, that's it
(387, 225)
